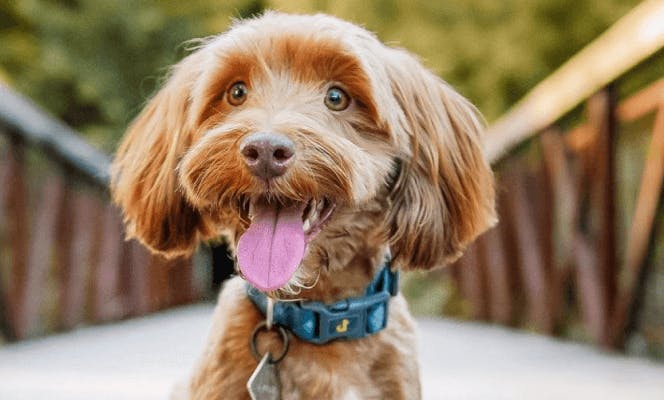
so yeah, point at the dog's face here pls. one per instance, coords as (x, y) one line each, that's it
(272, 130)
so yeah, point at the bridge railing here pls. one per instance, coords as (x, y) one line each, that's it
(579, 223)
(63, 257)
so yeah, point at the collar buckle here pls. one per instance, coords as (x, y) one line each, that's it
(349, 319)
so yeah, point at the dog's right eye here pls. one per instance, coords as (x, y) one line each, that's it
(237, 93)
(336, 99)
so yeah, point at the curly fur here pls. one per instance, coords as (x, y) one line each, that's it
(403, 164)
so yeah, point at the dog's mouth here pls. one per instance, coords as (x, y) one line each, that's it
(274, 244)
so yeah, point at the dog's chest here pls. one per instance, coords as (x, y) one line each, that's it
(312, 381)
(351, 394)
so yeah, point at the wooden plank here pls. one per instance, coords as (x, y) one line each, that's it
(5, 181)
(97, 239)
(181, 281)
(139, 285)
(641, 229)
(648, 198)
(589, 293)
(532, 265)
(579, 138)
(510, 248)
(107, 303)
(540, 193)
(18, 237)
(498, 276)
(74, 280)
(565, 210)
(62, 246)
(42, 244)
(601, 119)
(641, 103)
(159, 283)
(5, 266)
(38, 129)
(632, 39)
(472, 285)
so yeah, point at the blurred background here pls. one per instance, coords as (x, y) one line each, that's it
(93, 63)
(578, 253)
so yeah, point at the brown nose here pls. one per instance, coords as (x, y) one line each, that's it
(267, 155)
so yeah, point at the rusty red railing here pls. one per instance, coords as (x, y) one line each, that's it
(63, 259)
(577, 235)
(558, 236)
(566, 249)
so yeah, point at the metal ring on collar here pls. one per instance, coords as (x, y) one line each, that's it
(262, 326)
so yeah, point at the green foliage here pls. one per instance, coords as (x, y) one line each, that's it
(433, 293)
(94, 62)
(492, 51)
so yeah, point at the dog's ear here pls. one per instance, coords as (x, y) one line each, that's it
(143, 175)
(443, 197)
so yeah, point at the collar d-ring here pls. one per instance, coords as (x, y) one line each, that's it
(262, 327)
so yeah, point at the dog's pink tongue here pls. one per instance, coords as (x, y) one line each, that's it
(272, 248)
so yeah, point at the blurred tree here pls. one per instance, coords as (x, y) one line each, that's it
(93, 62)
(492, 51)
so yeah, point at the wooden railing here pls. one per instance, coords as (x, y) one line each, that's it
(63, 258)
(559, 251)
(577, 233)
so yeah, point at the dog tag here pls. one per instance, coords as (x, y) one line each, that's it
(264, 382)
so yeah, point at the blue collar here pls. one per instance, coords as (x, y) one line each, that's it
(351, 318)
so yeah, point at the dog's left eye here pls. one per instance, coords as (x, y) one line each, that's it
(237, 93)
(336, 99)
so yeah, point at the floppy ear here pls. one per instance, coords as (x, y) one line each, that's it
(444, 195)
(143, 176)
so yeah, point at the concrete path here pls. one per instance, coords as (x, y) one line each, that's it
(143, 358)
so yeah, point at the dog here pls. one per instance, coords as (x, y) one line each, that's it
(316, 151)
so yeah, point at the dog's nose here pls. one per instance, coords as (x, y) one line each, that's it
(267, 155)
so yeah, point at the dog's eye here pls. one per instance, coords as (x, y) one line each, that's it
(237, 93)
(336, 99)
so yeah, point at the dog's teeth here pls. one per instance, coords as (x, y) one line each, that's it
(312, 208)
(306, 225)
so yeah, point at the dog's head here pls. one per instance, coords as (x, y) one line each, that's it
(270, 130)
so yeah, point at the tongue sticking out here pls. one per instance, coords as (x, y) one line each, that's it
(272, 248)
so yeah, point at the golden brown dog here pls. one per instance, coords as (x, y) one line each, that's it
(313, 148)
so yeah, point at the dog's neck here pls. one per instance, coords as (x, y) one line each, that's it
(351, 280)
(346, 255)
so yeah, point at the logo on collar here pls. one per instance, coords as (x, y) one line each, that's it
(351, 318)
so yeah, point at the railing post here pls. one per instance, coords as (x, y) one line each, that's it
(528, 247)
(499, 276)
(84, 216)
(564, 215)
(641, 234)
(5, 176)
(601, 119)
(17, 215)
(106, 303)
(43, 242)
(472, 283)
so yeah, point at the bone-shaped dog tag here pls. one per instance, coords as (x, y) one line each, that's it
(264, 383)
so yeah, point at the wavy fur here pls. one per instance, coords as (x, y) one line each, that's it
(403, 164)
